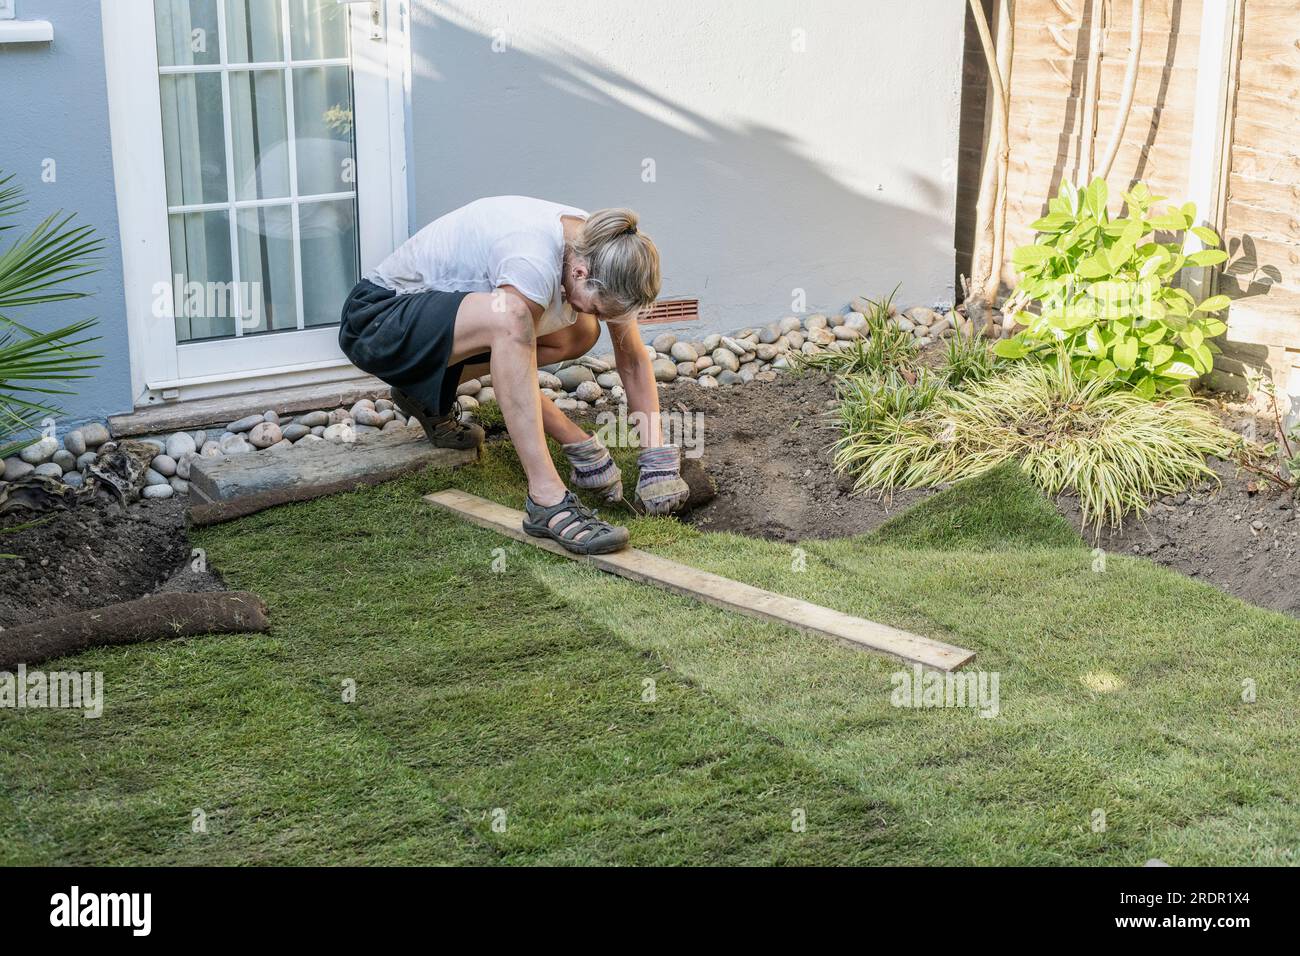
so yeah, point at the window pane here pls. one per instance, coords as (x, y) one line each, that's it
(329, 258)
(253, 31)
(205, 304)
(322, 109)
(266, 268)
(259, 127)
(187, 32)
(193, 138)
(318, 29)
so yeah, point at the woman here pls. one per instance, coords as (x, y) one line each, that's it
(516, 283)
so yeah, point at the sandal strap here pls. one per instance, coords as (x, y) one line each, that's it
(572, 512)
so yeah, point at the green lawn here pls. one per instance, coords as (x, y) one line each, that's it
(506, 716)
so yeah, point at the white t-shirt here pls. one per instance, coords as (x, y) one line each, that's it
(501, 240)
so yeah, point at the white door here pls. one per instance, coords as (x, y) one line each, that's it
(260, 168)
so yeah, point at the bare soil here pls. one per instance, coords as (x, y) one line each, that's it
(767, 447)
(95, 555)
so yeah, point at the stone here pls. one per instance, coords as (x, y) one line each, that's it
(769, 335)
(179, 485)
(815, 321)
(730, 378)
(272, 416)
(835, 320)
(313, 419)
(712, 371)
(180, 443)
(767, 375)
(685, 369)
(683, 352)
(588, 392)
(319, 430)
(731, 345)
(597, 365)
(308, 439)
(664, 342)
(766, 353)
(574, 375)
(74, 479)
(544, 380)
(165, 465)
(183, 466)
(664, 370)
(211, 448)
(920, 315)
(152, 477)
(711, 342)
(394, 425)
(159, 491)
(199, 437)
(340, 432)
(88, 458)
(340, 415)
(781, 362)
(245, 424)
(822, 336)
(40, 451)
(265, 435)
(466, 402)
(725, 359)
(846, 334)
(236, 445)
(360, 403)
(794, 340)
(75, 442)
(372, 416)
(860, 303)
(567, 404)
(485, 380)
(48, 469)
(65, 459)
(789, 324)
(95, 434)
(708, 381)
(703, 362)
(486, 395)
(384, 405)
(617, 394)
(295, 430)
(904, 323)
(16, 468)
(855, 320)
(609, 379)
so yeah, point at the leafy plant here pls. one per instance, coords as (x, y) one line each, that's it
(1104, 292)
(1115, 449)
(33, 271)
(970, 359)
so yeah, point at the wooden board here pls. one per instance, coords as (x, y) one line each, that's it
(332, 466)
(647, 568)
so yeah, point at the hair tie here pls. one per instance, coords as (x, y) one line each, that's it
(630, 230)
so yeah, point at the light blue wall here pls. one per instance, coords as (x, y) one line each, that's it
(54, 105)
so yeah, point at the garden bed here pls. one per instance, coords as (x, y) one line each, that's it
(766, 446)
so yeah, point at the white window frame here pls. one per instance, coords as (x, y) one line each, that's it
(162, 370)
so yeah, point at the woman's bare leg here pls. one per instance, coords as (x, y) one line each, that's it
(504, 325)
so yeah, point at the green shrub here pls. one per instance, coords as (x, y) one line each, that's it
(1114, 448)
(32, 271)
(1103, 289)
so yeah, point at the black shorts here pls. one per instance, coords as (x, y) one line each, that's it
(405, 340)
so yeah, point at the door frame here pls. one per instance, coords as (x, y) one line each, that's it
(381, 69)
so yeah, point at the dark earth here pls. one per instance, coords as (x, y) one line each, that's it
(767, 447)
(94, 555)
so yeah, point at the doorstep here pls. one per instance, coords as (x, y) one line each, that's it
(195, 413)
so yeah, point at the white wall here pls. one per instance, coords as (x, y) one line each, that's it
(830, 169)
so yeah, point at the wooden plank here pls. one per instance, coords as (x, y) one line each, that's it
(646, 568)
(179, 416)
(334, 466)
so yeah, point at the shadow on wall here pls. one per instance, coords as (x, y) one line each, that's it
(742, 219)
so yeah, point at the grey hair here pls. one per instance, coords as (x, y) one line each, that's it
(623, 262)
